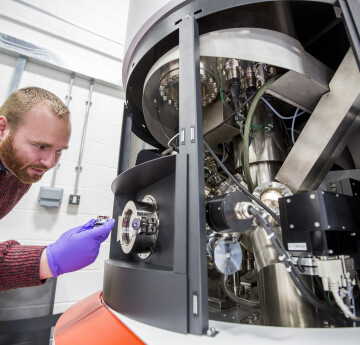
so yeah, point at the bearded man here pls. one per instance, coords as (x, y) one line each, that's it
(34, 130)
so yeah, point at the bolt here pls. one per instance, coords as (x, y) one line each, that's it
(312, 196)
(317, 224)
(292, 226)
(211, 332)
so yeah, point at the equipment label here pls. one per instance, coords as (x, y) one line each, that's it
(297, 246)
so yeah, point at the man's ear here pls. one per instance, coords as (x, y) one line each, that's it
(4, 126)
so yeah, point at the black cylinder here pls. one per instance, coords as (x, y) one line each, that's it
(220, 213)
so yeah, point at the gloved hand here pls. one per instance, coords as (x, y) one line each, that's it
(77, 248)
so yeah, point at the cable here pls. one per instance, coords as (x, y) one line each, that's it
(296, 277)
(295, 131)
(163, 129)
(237, 299)
(286, 118)
(293, 124)
(251, 112)
(227, 172)
(221, 95)
(276, 112)
(298, 264)
(345, 309)
(230, 116)
(353, 303)
(176, 135)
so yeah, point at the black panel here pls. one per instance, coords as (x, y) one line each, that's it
(329, 223)
(152, 290)
(155, 297)
(347, 186)
(133, 185)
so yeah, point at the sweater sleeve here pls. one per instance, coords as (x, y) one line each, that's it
(19, 265)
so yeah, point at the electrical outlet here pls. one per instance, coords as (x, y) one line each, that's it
(74, 199)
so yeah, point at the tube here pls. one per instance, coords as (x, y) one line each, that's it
(248, 122)
(237, 299)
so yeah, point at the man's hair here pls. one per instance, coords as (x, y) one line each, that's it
(22, 100)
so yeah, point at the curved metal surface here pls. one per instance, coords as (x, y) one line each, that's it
(163, 22)
(227, 256)
(138, 227)
(279, 297)
(281, 303)
(250, 44)
(139, 177)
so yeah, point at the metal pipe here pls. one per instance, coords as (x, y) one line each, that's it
(68, 99)
(19, 69)
(279, 297)
(78, 168)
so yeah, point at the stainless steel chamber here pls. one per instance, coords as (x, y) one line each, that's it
(243, 202)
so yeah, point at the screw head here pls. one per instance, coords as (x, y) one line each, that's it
(135, 224)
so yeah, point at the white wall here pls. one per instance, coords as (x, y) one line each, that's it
(30, 223)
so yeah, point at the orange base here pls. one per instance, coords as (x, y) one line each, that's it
(90, 322)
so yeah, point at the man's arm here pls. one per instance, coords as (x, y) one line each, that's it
(19, 265)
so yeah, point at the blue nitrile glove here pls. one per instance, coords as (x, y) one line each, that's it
(77, 247)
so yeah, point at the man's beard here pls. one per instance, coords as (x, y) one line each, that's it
(13, 161)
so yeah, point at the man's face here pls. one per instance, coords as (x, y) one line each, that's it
(36, 145)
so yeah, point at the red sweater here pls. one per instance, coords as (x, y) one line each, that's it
(19, 265)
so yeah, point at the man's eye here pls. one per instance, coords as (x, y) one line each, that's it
(40, 147)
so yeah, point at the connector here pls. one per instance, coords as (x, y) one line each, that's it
(241, 210)
(331, 272)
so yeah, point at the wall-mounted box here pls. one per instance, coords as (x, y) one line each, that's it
(50, 197)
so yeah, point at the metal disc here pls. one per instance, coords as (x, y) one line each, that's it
(227, 257)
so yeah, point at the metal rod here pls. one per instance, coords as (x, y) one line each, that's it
(19, 69)
(53, 179)
(78, 168)
(68, 99)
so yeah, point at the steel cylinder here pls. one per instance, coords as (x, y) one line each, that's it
(281, 302)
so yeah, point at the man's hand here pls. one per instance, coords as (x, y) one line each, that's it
(75, 249)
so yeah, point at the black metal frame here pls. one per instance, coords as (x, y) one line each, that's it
(191, 145)
(189, 185)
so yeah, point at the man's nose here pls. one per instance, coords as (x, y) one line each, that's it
(48, 160)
